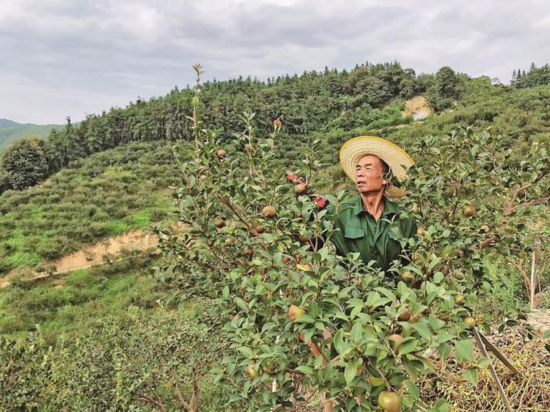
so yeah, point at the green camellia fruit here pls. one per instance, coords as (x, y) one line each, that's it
(251, 371)
(389, 401)
(407, 277)
(471, 322)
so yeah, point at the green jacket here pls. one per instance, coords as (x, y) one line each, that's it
(357, 231)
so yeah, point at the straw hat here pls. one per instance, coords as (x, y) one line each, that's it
(396, 158)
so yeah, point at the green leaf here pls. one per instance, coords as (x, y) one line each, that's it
(413, 389)
(422, 330)
(441, 406)
(246, 351)
(471, 375)
(484, 362)
(306, 370)
(351, 370)
(388, 293)
(305, 319)
(356, 333)
(241, 304)
(464, 351)
(444, 336)
(408, 346)
(436, 323)
(444, 349)
(413, 367)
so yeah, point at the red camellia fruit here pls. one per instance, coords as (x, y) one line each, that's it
(291, 176)
(320, 201)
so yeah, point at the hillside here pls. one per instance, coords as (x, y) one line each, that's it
(144, 332)
(11, 132)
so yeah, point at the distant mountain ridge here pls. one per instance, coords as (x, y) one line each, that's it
(11, 131)
(7, 123)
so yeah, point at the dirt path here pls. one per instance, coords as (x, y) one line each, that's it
(93, 255)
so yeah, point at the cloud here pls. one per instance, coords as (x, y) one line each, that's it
(68, 58)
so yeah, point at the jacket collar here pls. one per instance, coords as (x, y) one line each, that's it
(389, 207)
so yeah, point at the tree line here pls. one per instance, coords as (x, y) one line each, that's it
(536, 76)
(314, 101)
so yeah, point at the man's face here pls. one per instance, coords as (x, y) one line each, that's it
(368, 174)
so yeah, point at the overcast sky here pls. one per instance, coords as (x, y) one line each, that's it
(63, 58)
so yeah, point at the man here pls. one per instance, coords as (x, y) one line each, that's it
(370, 224)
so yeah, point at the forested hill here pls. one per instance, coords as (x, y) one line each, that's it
(11, 131)
(369, 96)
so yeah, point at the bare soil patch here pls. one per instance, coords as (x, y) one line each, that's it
(93, 255)
(417, 107)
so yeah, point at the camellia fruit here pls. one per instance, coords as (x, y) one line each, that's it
(300, 189)
(294, 312)
(407, 277)
(389, 401)
(396, 339)
(221, 154)
(251, 371)
(219, 223)
(320, 201)
(248, 148)
(259, 229)
(469, 211)
(269, 211)
(405, 316)
(420, 231)
(471, 322)
(459, 298)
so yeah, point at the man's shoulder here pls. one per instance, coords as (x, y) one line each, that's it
(347, 206)
(348, 202)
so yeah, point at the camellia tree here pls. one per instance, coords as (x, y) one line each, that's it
(303, 321)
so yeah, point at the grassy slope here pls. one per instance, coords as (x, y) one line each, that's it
(105, 195)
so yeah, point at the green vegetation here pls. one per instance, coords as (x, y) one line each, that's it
(11, 132)
(104, 195)
(536, 76)
(306, 103)
(114, 338)
(279, 284)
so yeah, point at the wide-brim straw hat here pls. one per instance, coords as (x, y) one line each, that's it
(395, 157)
